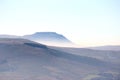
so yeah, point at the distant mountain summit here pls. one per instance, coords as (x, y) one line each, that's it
(49, 38)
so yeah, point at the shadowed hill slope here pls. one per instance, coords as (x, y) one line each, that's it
(22, 59)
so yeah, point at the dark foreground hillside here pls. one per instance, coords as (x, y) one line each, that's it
(22, 59)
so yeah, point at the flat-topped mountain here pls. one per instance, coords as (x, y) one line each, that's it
(49, 38)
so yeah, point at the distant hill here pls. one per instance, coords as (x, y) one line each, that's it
(9, 36)
(112, 48)
(49, 38)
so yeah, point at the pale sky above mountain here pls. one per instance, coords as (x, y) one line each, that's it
(85, 22)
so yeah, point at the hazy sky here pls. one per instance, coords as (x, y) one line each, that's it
(85, 22)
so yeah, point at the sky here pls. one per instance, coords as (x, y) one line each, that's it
(85, 22)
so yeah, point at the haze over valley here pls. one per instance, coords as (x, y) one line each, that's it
(59, 39)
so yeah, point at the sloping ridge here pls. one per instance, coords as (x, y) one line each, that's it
(17, 43)
(21, 59)
(107, 55)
